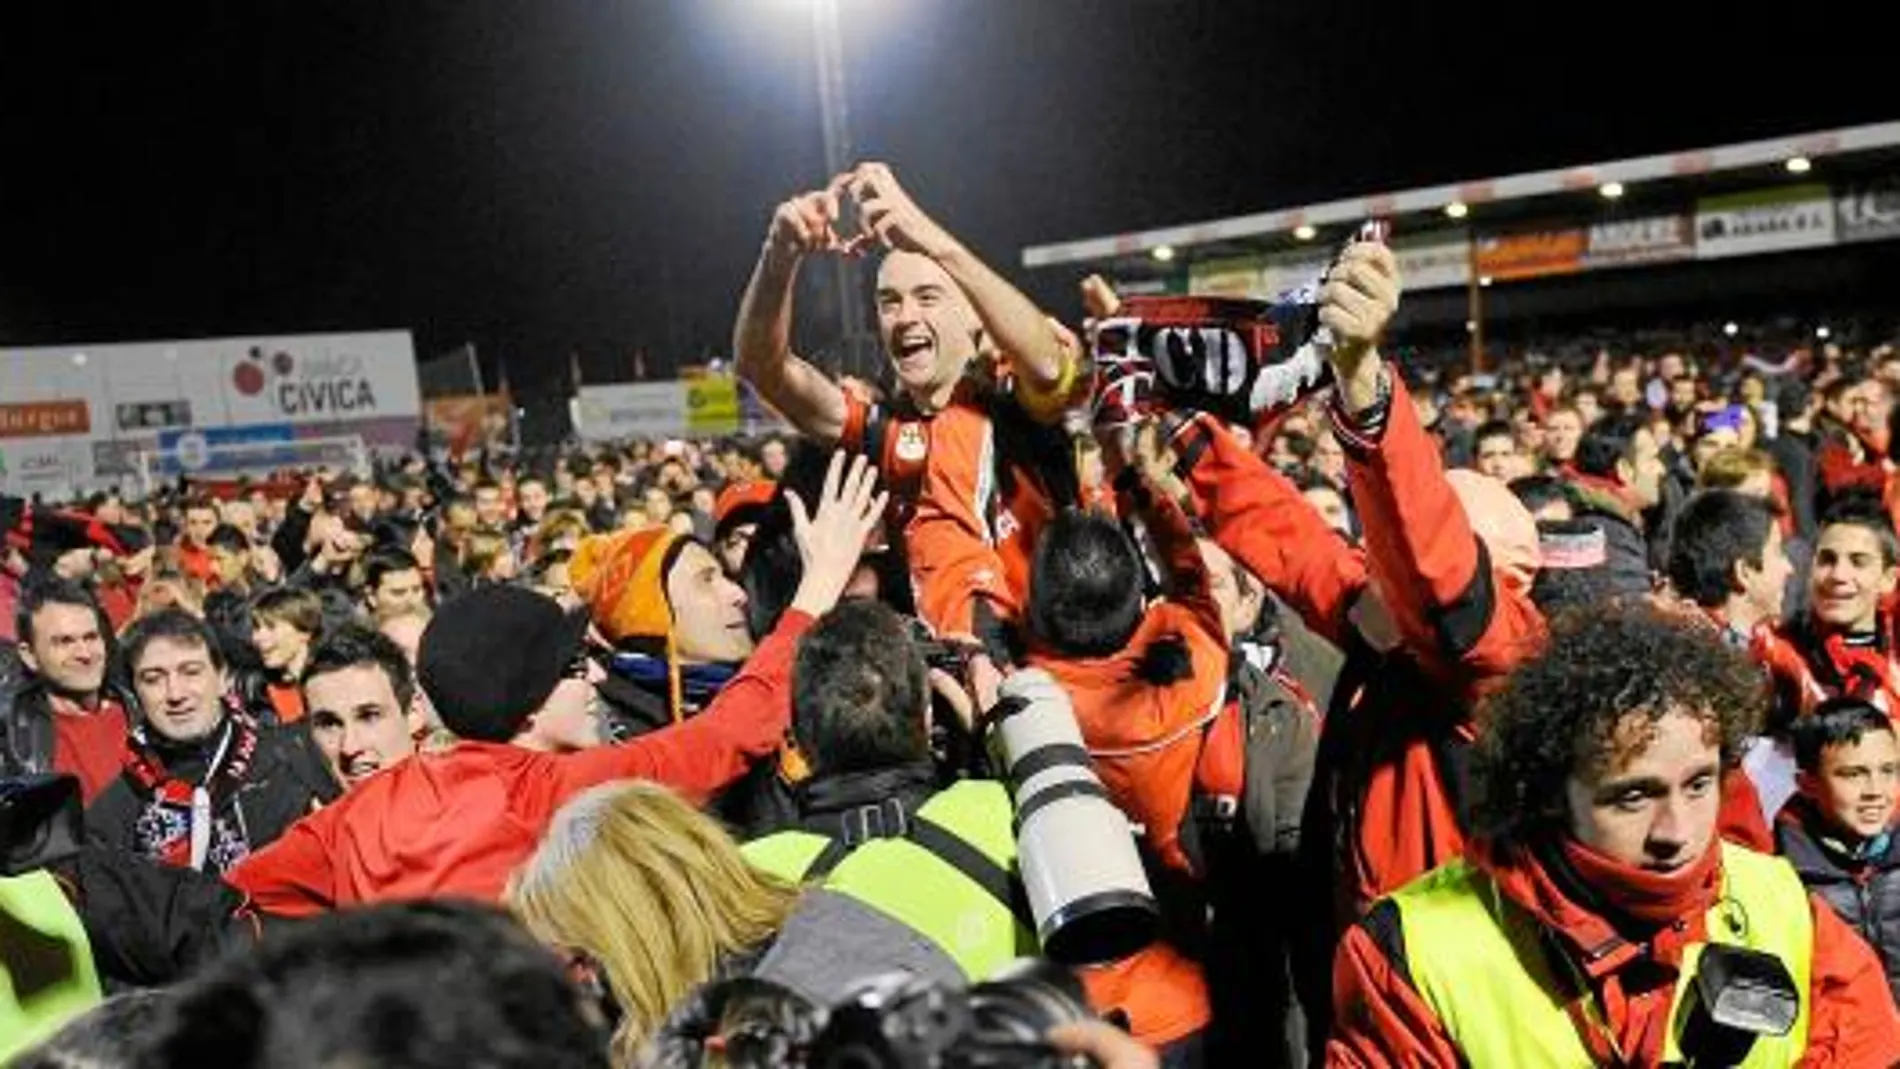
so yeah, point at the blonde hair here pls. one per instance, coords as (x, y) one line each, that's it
(652, 889)
(560, 529)
(482, 552)
(1729, 468)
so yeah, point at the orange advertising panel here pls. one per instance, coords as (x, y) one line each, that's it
(1546, 252)
(42, 419)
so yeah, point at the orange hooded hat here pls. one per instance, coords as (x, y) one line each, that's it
(622, 579)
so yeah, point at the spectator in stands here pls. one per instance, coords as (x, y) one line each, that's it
(230, 559)
(1563, 433)
(1845, 639)
(393, 583)
(284, 623)
(1839, 829)
(1327, 500)
(61, 710)
(194, 541)
(736, 515)
(469, 986)
(1495, 451)
(531, 499)
(360, 690)
(772, 458)
(1548, 498)
(1596, 853)
(487, 559)
(204, 785)
(1725, 555)
(491, 508)
(506, 671)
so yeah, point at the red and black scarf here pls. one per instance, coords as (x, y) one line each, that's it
(186, 821)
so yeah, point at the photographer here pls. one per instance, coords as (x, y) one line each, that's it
(1578, 927)
(872, 822)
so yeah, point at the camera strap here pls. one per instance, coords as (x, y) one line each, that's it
(1581, 1005)
(1000, 883)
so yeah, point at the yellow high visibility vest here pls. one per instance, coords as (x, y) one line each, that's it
(906, 880)
(1480, 964)
(46, 971)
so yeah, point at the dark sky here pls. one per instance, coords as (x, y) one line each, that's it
(543, 175)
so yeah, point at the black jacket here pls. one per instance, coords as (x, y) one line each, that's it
(285, 781)
(1864, 892)
(26, 716)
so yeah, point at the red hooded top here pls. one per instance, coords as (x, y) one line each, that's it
(458, 823)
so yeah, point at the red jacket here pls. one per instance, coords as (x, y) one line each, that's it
(1460, 630)
(458, 823)
(1384, 1022)
(1145, 742)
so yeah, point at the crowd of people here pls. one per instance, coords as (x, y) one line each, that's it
(1542, 716)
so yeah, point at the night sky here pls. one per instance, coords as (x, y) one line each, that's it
(545, 176)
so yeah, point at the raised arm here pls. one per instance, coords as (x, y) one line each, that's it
(751, 714)
(762, 338)
(1044, 359)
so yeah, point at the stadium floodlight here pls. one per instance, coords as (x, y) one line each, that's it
(1457, 210)
(1822, 333)
(1484, 280)
(1611, 190)
(1729, 328)
(1163, 253)
(1799, 165)
(79, 359)
(1305, 232)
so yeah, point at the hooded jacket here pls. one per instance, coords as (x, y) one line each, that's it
(457, 823)
(1385, 1021)
(1864, 891)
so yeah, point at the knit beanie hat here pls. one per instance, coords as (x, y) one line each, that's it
(490, 658)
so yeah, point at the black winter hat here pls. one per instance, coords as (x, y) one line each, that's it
(491, 657)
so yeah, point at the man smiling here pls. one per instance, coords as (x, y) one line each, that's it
(361, 697)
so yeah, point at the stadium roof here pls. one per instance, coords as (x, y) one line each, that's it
(1674, 167)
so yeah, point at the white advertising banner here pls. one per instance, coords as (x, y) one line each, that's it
(222, 382)
(1434, 262)
(55, 468)
(1626, 242)
(631, 410)
(1769, 220)
(1226, 278)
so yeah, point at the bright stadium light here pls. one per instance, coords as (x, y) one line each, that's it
(1164, 253)
(1799, 165)
(1822, 333)
(1729, 328)
(1457, 210)
(1305, 232)
(1484, 280)
(1611, 190)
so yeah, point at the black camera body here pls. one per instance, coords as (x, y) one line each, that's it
(891, 1022)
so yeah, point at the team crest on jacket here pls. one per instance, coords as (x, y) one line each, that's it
(911, 443)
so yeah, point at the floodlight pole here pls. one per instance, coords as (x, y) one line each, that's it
(837, 132)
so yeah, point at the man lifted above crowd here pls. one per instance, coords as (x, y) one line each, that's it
(975, 466)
